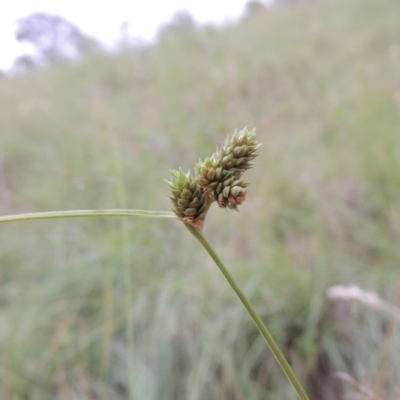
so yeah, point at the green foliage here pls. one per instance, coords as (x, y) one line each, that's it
(107, 308)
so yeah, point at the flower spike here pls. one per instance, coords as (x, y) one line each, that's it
(188, 198)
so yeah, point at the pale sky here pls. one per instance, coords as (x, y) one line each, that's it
(102, 19)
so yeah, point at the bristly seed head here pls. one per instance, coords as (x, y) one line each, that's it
(226, 166)
(188, 198)
(217, 178)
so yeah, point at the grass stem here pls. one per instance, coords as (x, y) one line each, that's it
(87, 213)
(287, 369)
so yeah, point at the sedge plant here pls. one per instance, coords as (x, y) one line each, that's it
(217, 179)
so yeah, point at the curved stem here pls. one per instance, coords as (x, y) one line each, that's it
(87, 213)
(256, 319)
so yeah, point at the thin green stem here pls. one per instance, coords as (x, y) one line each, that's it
(87, 213)
(256, 319)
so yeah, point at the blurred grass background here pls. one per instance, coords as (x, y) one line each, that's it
(117, 309)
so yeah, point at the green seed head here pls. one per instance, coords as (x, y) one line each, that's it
(220, 173)
(217, 178)
(189, 200)
(238, 151)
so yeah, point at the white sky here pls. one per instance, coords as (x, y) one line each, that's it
(102, 19)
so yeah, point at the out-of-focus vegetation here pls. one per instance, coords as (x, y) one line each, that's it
(53, 39)
(116, 309)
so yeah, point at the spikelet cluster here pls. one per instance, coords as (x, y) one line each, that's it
(221, 173)
(188, 198)
(217, 178)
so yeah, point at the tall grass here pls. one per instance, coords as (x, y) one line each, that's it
(77, 298)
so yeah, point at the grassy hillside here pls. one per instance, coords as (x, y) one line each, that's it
(117, 309)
